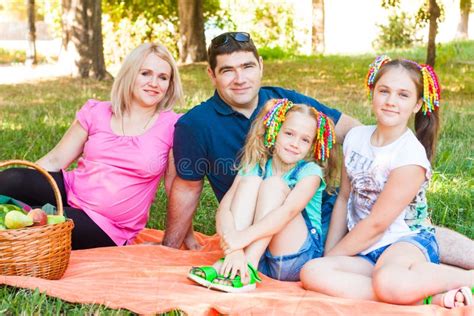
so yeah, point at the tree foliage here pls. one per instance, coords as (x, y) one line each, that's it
(465, 5)
(274, 22)
(399, 32)
(423, 15)
(152, 11)
(127, 23)
(387, 4)
(156, 11)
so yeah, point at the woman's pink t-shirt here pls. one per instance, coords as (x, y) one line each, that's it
(117, 176)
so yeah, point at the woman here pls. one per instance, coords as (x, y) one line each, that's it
(124, 149)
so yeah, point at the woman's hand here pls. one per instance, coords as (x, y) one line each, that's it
(235, 263)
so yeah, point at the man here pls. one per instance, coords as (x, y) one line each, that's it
(209, 137)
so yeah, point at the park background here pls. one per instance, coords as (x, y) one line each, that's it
(319, 48)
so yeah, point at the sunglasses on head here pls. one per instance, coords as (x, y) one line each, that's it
(224, 38)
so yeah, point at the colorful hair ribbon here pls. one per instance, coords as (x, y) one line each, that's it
(325, 136)
(431, 93)
(274, 118)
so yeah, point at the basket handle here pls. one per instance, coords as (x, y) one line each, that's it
(52, 182)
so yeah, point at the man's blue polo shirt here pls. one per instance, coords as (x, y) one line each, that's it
(208, 138)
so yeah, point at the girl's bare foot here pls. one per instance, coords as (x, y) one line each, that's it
(454, 298)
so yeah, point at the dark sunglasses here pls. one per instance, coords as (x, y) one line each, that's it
(224, 38)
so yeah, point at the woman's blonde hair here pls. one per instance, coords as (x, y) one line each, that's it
(255, 152)
(122, 89)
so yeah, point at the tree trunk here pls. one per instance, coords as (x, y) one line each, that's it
(463, 26)
(31, 54)
(82, 38)
(192, 44)
(434, 13)
(317, 38)
(98, 62)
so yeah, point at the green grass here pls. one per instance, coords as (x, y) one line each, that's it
(33, 118)
(27, 302)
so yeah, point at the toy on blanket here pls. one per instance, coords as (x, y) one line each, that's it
(209, 277)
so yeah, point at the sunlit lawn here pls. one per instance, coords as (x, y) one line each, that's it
(33, 118)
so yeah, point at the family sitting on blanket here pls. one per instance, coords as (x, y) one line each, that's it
(124, 147)
(215, 131)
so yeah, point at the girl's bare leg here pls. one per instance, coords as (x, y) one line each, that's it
(347, 277)
(403, 276)
(243, 204)
(271, 195)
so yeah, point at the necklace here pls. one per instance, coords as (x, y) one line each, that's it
(144, 127)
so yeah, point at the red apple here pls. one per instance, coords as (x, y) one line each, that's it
(38, 216)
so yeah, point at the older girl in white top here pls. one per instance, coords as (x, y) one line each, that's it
(390, 253)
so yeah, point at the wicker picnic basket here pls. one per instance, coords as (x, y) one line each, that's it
(39, 251)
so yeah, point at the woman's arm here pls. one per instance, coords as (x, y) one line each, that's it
(68, 149)
(401, 187)
(338, 226)
(170, 173)
(276, 219)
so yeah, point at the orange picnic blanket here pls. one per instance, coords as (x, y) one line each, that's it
(148, 279)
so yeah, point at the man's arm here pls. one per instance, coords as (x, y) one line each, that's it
(344, 125)
(182, 205)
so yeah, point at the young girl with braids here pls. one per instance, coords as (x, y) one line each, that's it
(271, 216)
(389, 253)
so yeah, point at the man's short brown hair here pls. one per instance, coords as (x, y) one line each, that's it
(229, 46)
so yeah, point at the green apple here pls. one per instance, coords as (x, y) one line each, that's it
(56, 219)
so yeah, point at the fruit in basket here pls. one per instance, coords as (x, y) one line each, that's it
(56, 219)
(38, 216)
(5, 208)
(16, 219)
(2, 220)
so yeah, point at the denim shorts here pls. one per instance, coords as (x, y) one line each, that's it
(287, 267)
(424, 240)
